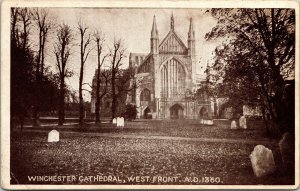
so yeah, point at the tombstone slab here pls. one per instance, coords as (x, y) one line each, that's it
(53, 136)
(233, 125)
(114, 121)
(243, 122)
(262, 161)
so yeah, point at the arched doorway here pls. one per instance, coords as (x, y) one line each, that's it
(147, 113)
(176, 112)
(203, 113)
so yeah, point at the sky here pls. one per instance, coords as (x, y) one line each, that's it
(133, 26)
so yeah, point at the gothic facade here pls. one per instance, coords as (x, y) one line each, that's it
(164, 77)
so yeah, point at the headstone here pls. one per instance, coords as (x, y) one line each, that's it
(53, 136)
(243, 123)
(118, 121)
(114, 121)
(201, 121)
(287, 151)
(210, 122)
(122, 121)
(262, 161)
(233, 125)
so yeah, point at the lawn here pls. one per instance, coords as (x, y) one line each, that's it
(173, 128)
(162, 161)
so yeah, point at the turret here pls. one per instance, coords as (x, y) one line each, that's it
(191, 39)
(154, 38)
(172, 22)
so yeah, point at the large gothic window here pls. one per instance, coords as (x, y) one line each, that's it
(172, 79)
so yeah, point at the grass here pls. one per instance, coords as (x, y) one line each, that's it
(180, 128)
(85, 155)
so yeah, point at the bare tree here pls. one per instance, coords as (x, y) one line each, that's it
(117, 53)
(14, 19)
(99, 39)
(84, 53)
(62, 50)
(26, 17)
(43, 23)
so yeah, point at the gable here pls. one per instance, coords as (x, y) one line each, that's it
(172, 44)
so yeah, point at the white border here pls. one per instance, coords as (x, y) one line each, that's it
(5, 80)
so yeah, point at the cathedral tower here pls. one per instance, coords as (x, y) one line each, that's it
(191, 47)
(154, 41)
(191, 40)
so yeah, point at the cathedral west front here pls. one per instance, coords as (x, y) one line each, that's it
(164, 77)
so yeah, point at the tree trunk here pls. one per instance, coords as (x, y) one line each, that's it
(61, 112)
(114, 99)
(97, 109)
(80, 86)
(43, 55)
(80, 97)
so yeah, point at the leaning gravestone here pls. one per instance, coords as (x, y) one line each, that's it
(53, 136)
(114, 121)
(262, 161)
(287, 151)
(243, 123)
(233, 125)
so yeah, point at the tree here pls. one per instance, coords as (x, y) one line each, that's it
(130, 112)
(99, 39)
(43, 24)
(256, 59)
(22, 62)
(26, 19)
(84, 53)
(62, 51)
(117, 55)
(14, 19)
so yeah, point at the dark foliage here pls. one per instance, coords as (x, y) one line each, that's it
(130, 112)
(256, 60)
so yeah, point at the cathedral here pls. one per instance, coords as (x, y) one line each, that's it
(164, 77)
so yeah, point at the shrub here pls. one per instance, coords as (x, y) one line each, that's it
(130, 112)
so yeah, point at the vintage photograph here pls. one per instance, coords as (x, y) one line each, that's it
(140, 95)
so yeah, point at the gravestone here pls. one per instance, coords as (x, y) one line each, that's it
(122, 122)
(233, 125)
(201, 121)
(262, 161)
(53, 136)
(210, 122)
(114, 121)
(287, 151)
(118, 121)
(243, 122)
